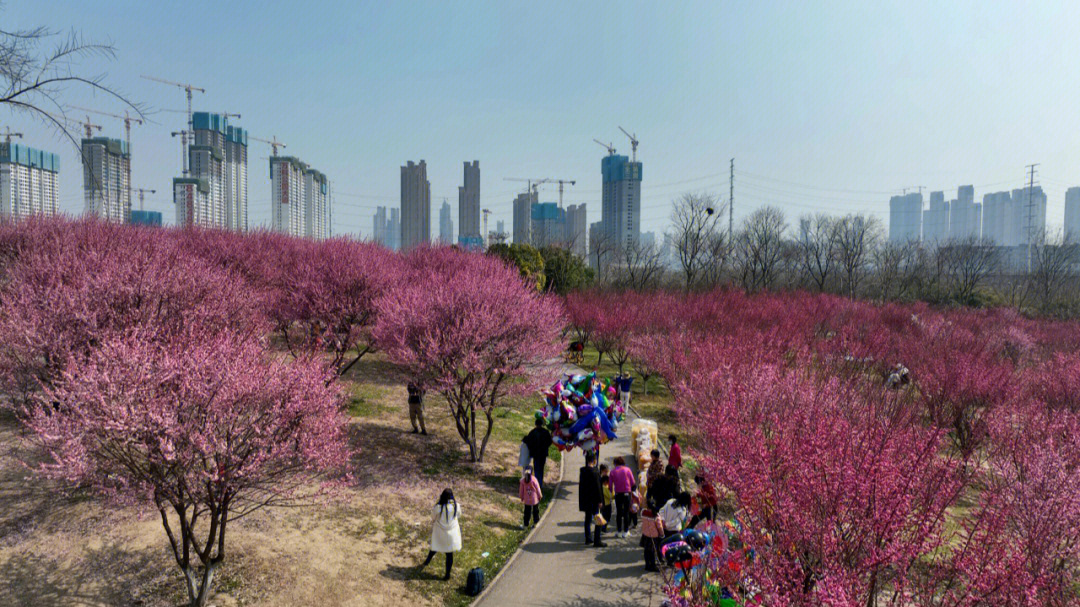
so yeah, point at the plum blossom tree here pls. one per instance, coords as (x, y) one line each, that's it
(203, 427)
(468, 327)
(327, 297)
(75, 284)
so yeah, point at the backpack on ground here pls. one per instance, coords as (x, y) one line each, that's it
(474, 582)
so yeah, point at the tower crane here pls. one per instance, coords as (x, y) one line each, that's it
(610, 150)
(87, 126)
(141, 192)
(561, 182)
(225, 114)
(8, 134)
(188, 88)
(128, 119)
(273, 142)
(633, 142)
(531, 184)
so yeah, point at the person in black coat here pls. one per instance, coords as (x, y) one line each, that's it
(538, 441)
(590, 498)
(663, 488)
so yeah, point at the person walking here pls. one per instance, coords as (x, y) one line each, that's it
(609, 496)
(416, 408)
(538, 440)
(652, 530)
(622, 483)
(529, 493)
(590, 497)
(707, 500)
(445, 531)
(656, 468)
(674, 457)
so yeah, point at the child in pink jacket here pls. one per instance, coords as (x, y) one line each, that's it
(529, 493)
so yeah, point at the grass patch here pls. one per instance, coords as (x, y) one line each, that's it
(366, 400)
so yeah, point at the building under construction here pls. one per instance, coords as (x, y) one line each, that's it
(299, 198)
(106, 166)
(27, 181)
(214, 194)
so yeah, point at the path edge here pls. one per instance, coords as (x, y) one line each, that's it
(536, 527)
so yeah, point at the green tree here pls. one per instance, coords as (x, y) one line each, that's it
(565, 271)
(528, 260)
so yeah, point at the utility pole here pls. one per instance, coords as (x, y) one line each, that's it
(731, 205)
(1030, 213)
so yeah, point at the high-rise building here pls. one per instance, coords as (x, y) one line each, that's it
(27, 181)
(577, 227)
(965, 215)
(393, 230)
(1072, 214)
(218, 157)
(106, 163)
(469, 207)
(500, 226)
(620, 211)
(997, 218)
(905, 217)
(299, 198)
(192, 199)
(1029, 207)
(415, 205)
(548, 224)
(378, 231)
(523, 217)
(648, 240)
(446, 225)
(935, 220)
(146, 218)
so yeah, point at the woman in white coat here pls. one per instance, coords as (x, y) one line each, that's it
(445, 531)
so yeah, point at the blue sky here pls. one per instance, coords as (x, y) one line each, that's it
(825, 106)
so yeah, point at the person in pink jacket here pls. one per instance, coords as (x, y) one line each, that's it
(622, 483)
(530, 494)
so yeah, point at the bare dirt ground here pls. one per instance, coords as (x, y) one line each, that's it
(59, 548)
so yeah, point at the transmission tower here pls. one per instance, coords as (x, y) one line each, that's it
(1030, 213)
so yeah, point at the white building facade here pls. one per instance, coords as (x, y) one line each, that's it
(27, 181)
(106, 166)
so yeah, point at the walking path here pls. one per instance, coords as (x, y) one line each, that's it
(555, 568)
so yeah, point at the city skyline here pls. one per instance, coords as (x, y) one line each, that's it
(863, 103)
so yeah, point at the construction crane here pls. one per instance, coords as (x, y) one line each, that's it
(531, 184)
(141, 192)
(128, 119)
(610, 149)
(8, 134)
(225, 114)
(273, 142)
(561, 184)
(485, 236)
(633, 142)
(188, 88)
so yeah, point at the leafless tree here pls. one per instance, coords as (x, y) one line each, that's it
(760, 248)
(966, 264)
(899, 269)
(35, 77)
(856, 237)
(716, 259)
(816, 246)
(602, 252)
(1053, 269)
(695, 222)
(641, 266)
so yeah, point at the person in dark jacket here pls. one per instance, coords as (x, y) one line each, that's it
(538, 441)
(590, 498)
(416, 408)
(663, 488)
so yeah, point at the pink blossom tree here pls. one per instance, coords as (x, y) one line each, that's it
(466, 326)
(203, 427)
(328, 297)
(75, 284)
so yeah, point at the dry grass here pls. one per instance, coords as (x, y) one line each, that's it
(58, 549)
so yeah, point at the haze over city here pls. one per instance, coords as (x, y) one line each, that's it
(824, 108)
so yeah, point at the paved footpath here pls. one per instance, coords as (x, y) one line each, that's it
(556, 568)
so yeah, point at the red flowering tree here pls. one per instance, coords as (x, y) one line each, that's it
(203, 427)
(466, 326)
(74, 285)
(327, 297)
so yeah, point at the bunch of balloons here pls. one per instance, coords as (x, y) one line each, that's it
(582, 411)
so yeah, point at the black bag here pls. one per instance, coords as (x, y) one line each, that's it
(474, 582)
